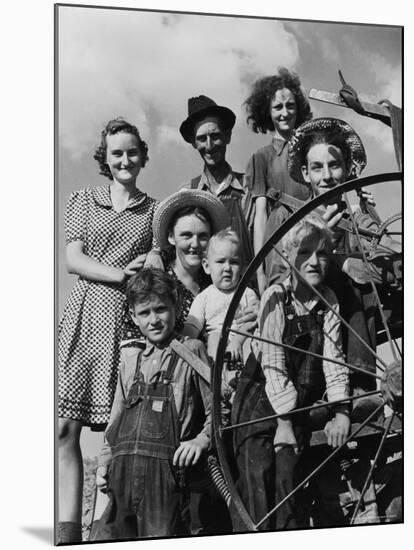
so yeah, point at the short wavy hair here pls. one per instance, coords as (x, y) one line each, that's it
(150, 282)
(227, 234)
(333, 137)
(311, 225)
(257, 105)
(113, 127)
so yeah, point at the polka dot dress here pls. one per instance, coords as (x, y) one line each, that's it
(90, 329)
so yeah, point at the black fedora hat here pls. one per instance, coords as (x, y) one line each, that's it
(200, 107)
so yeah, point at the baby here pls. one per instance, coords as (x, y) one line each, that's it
(222, 262)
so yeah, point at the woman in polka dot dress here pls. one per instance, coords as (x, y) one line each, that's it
(108, 233)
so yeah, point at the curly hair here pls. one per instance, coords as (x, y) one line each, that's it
(113, 127)
(258, 103)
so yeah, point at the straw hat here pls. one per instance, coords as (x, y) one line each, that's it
(356, 151)
(200, 107)
(167, 209)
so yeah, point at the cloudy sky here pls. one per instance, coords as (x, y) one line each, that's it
(145, 65)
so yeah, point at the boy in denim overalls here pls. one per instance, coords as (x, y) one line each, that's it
(160, 420)
(283, 379)
(292, 314)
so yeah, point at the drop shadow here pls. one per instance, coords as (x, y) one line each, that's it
(42, 533)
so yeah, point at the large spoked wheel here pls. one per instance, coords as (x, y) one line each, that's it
(387, 353)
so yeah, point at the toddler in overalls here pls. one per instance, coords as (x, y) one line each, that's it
(160, 420)
(223, 262)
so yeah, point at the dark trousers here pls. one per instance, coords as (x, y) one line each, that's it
(253, 447)
(208, 512)
(145, 500)
(320, 499)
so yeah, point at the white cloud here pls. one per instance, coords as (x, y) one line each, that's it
(168, 135)
(144, 66)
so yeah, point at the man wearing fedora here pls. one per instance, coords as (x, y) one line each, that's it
(208, 129)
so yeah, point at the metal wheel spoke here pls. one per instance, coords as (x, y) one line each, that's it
(302, 409)
(398, 347)
(371, 470)
(371, 280)
(318, 468)
(306, 352)
(338, 315)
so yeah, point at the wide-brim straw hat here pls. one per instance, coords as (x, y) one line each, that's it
(357, 158)
(168, 208)
(201, 107)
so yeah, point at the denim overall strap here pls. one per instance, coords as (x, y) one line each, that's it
(305, 332)
(167, 375)
(148, 425)
(133, 392)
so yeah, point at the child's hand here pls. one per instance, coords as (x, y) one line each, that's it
(235, 348)
(359, 272)
(337, 429)
(285, 436)
(249, 319)
(331, 216)
(367, 196)
(102, 478)
(188, 453)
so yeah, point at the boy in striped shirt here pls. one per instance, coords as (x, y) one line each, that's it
(292, 314)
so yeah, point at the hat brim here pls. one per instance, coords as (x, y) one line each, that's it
(204, 200)
(225, 114)
(357, 154)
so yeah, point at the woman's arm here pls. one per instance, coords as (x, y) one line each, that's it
(79, 263)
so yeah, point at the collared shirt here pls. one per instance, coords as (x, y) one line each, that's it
(280, 389)
(268, 169)
(234, 182)
(186, 384)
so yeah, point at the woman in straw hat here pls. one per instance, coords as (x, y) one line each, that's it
(183, 224)
(108, 233)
